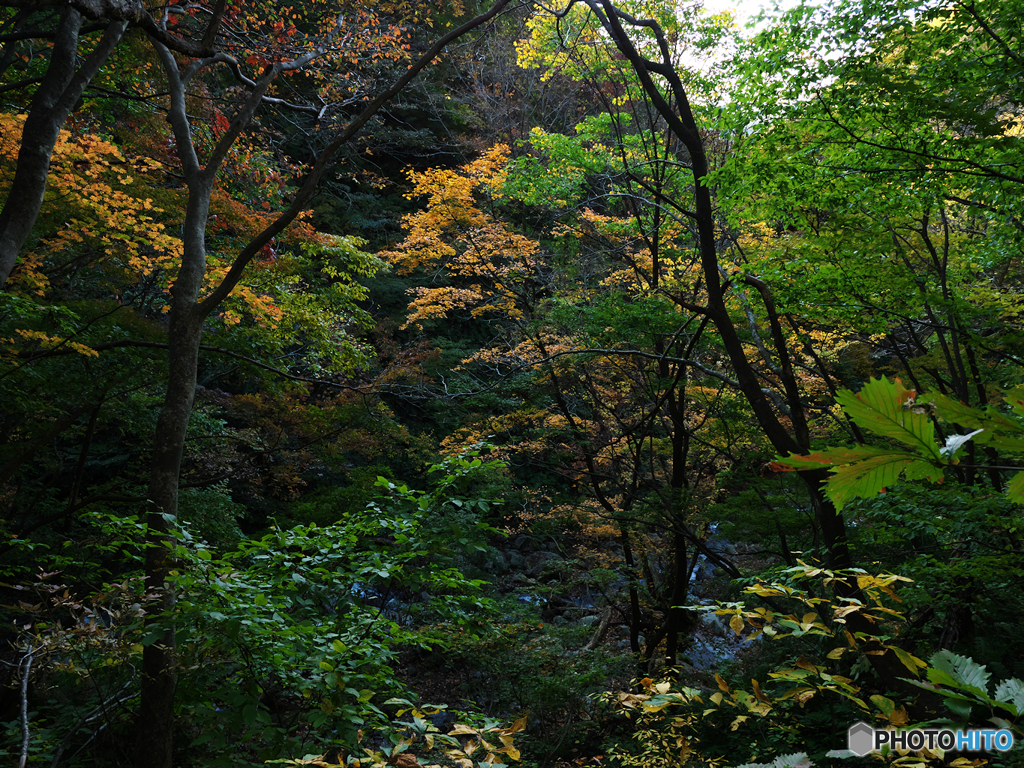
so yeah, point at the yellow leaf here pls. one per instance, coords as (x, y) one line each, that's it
(736, 624)
(910, 661)
(738, 722)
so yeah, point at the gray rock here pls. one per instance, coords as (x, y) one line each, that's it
(543, 559)
(443, 721)
(714, 623)
(545, 556)
(496, 563)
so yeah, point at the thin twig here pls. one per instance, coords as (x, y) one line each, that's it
(26, 665)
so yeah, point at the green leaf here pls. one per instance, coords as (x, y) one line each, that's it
(1015, 399)
(863, 471)
(660, 701)
(205, 736)
(886, 705)
(249, 714)
(990, 420)
(887, 408)
(1015, 488)
(959, 707)
(968, 674)
(1011, 692)
(939, 677)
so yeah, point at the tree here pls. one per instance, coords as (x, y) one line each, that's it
(901, 224)
(766, 367)
(60, 88)
(600, 332)
(649, 52)
(285, 44)
(188, 311)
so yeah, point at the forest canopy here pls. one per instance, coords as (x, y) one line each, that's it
(595, 382)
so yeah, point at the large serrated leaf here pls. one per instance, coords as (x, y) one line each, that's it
(835, 457)
(1015, 399)
(990, 420)
(796, 760)
(1015, 488)
(968, 674)
(1000, 442)
(863, 470)
(1011, 692)
(973, 418)
(882, 407)
(878, 469)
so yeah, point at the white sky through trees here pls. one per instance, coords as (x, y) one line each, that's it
(745, 10)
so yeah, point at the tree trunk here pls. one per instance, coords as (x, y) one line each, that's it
(675, 619)
(155, 730)
(680, 120)
(53, 101)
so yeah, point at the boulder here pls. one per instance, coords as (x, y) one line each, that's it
(496, 562)
(542, 561)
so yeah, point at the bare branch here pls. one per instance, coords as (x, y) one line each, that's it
(25, 669)
(247, 254)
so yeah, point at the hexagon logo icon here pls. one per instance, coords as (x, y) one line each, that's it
(860, 738)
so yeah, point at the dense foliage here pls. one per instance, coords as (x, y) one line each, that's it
(586, 383)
